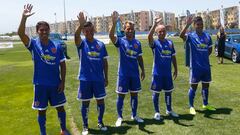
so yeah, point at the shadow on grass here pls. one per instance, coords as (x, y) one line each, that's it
(111, 130)
(208, 113)
(181, 117)
(147, 121)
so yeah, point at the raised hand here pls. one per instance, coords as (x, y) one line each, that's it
(81, 19)
(27, 10)
(157, 20)
(114, 16)
(189, 20)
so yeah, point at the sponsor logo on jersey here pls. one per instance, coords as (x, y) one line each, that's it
(131, 52)
(202, 46)
(93, 54)
(166, 52)
(48, 57)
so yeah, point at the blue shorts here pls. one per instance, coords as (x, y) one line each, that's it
(43, 94)
(87, 89)
(160, 83)
(196, 76)
(125, 83)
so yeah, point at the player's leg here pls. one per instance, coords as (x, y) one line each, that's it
(194, 78)
(156, 88)
(206, 79)
(100, 93)
(121, 90)
(135, 88)
(57, 99)
(205, 94)
(168, 88)
(42, 121)
(101, 109)
(40, 103)
(62, 119)
(85, 94)
(191, 96)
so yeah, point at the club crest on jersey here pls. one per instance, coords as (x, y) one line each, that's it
(135, 46)
(54, 50)
(98, 46)
(206, 40)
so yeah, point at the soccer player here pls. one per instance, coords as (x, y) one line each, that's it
(200, 44)
(130, 56)
(164, 55)
(93, 71)
(49, 71)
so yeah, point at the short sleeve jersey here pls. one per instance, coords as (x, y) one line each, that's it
(46, 60)
(199, 50)
(128, 51)
(91, 56)
(162, 54)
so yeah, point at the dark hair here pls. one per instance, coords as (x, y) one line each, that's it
(87, 24)
(42, 23)
(197, 19)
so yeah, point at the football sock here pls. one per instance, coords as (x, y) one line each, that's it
(191, 95)
(42, 124)
(84, 110)
(101, 109)
(134, 105)
(62, 120)
(205, 96)
(155, 99)
(168, 100)
(120, 106)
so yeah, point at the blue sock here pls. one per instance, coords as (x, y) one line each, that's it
(42, 123)
(134, 105)
(205, 96)
(168, 100)
(62, 119)
(191, 95)
(84, 111)
(155, 99)
(101, 109)
(120, 106)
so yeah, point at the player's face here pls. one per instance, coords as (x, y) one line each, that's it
(43, 32)
(88, 32)
(198, 26)
(129, 31)
(161, 32)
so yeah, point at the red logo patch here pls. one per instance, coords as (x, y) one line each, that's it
(54, 50)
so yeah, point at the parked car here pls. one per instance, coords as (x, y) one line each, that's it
(232, 47)
(57, 38)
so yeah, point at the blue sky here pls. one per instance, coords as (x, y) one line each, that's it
(11, 10)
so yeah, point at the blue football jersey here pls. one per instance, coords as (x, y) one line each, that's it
(162, 55)
(128, 51)
(199, 50)
(46, 60)
(91, 55)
